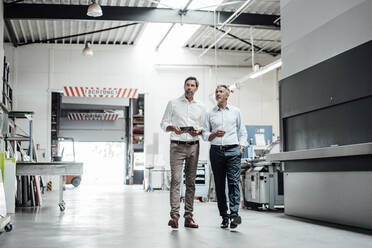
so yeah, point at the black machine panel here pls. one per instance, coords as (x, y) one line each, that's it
(342, 78)
(329, 103)
(344, 124)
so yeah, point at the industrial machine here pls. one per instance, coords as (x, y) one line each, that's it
(262, 184)
(262, 181)
(260, 139)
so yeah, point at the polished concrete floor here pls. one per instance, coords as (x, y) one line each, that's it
(119, 216)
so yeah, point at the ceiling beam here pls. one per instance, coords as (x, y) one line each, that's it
(137, 14)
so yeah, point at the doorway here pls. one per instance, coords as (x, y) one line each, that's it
(104, 162)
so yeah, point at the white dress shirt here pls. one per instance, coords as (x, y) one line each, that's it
(229, 120)
(180, 112)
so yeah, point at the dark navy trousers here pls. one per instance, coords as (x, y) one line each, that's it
(226, 164)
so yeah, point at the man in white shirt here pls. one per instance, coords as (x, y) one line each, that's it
(224, 128)
(180, 115)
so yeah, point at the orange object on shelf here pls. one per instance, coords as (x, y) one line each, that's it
(73, 179)
(136, 134)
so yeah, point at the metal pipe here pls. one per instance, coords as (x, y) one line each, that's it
(215, 43)
(160, 3)
(235, 14)
(182, 12)
(218, 5)
(198, 66)
(165, 36)
(187, 5)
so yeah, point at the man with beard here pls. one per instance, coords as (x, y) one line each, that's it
(224, 128)
(183, 118)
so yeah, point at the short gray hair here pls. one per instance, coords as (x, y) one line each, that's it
(224, 86)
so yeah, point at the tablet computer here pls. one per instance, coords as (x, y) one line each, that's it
(187, 129)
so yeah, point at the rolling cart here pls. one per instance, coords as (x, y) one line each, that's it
(51, 169)
(5, 224)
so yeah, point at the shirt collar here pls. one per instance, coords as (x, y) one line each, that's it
(216, 108)
(183, 98)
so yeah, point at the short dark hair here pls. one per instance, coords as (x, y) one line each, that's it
(192, 78)
(224, 86)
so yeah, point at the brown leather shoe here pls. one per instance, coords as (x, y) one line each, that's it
(189, 222)
(173, 222)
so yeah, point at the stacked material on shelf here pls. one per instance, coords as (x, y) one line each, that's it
(28, 191)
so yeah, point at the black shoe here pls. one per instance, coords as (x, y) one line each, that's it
(235, 221)
(225, 223)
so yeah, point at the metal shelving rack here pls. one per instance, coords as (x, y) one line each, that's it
(16, 139)
(135, 139)
(5, 105)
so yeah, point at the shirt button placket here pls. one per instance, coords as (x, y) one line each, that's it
(222, 127)
(187, 117)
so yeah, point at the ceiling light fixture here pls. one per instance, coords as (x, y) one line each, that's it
(87, 51)
(261, 71)
(267, 68)
(94, 10)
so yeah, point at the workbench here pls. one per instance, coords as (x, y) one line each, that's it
(50, 169)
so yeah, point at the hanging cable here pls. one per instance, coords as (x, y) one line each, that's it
(252, 46)
(215, 46)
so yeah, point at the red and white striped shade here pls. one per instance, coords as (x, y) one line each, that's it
(78, 91)
(92, 117)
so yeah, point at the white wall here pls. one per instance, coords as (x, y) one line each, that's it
(313, 31)
(258, 100)
(42, 68)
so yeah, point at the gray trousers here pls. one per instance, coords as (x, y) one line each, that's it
(178, 154)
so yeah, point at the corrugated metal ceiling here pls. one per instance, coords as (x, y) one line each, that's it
(41, 30)
(265, 40)
(37, 30)
(130, 3)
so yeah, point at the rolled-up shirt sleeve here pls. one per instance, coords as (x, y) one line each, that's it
(206, 132)
(242, 132)
(167, 117)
